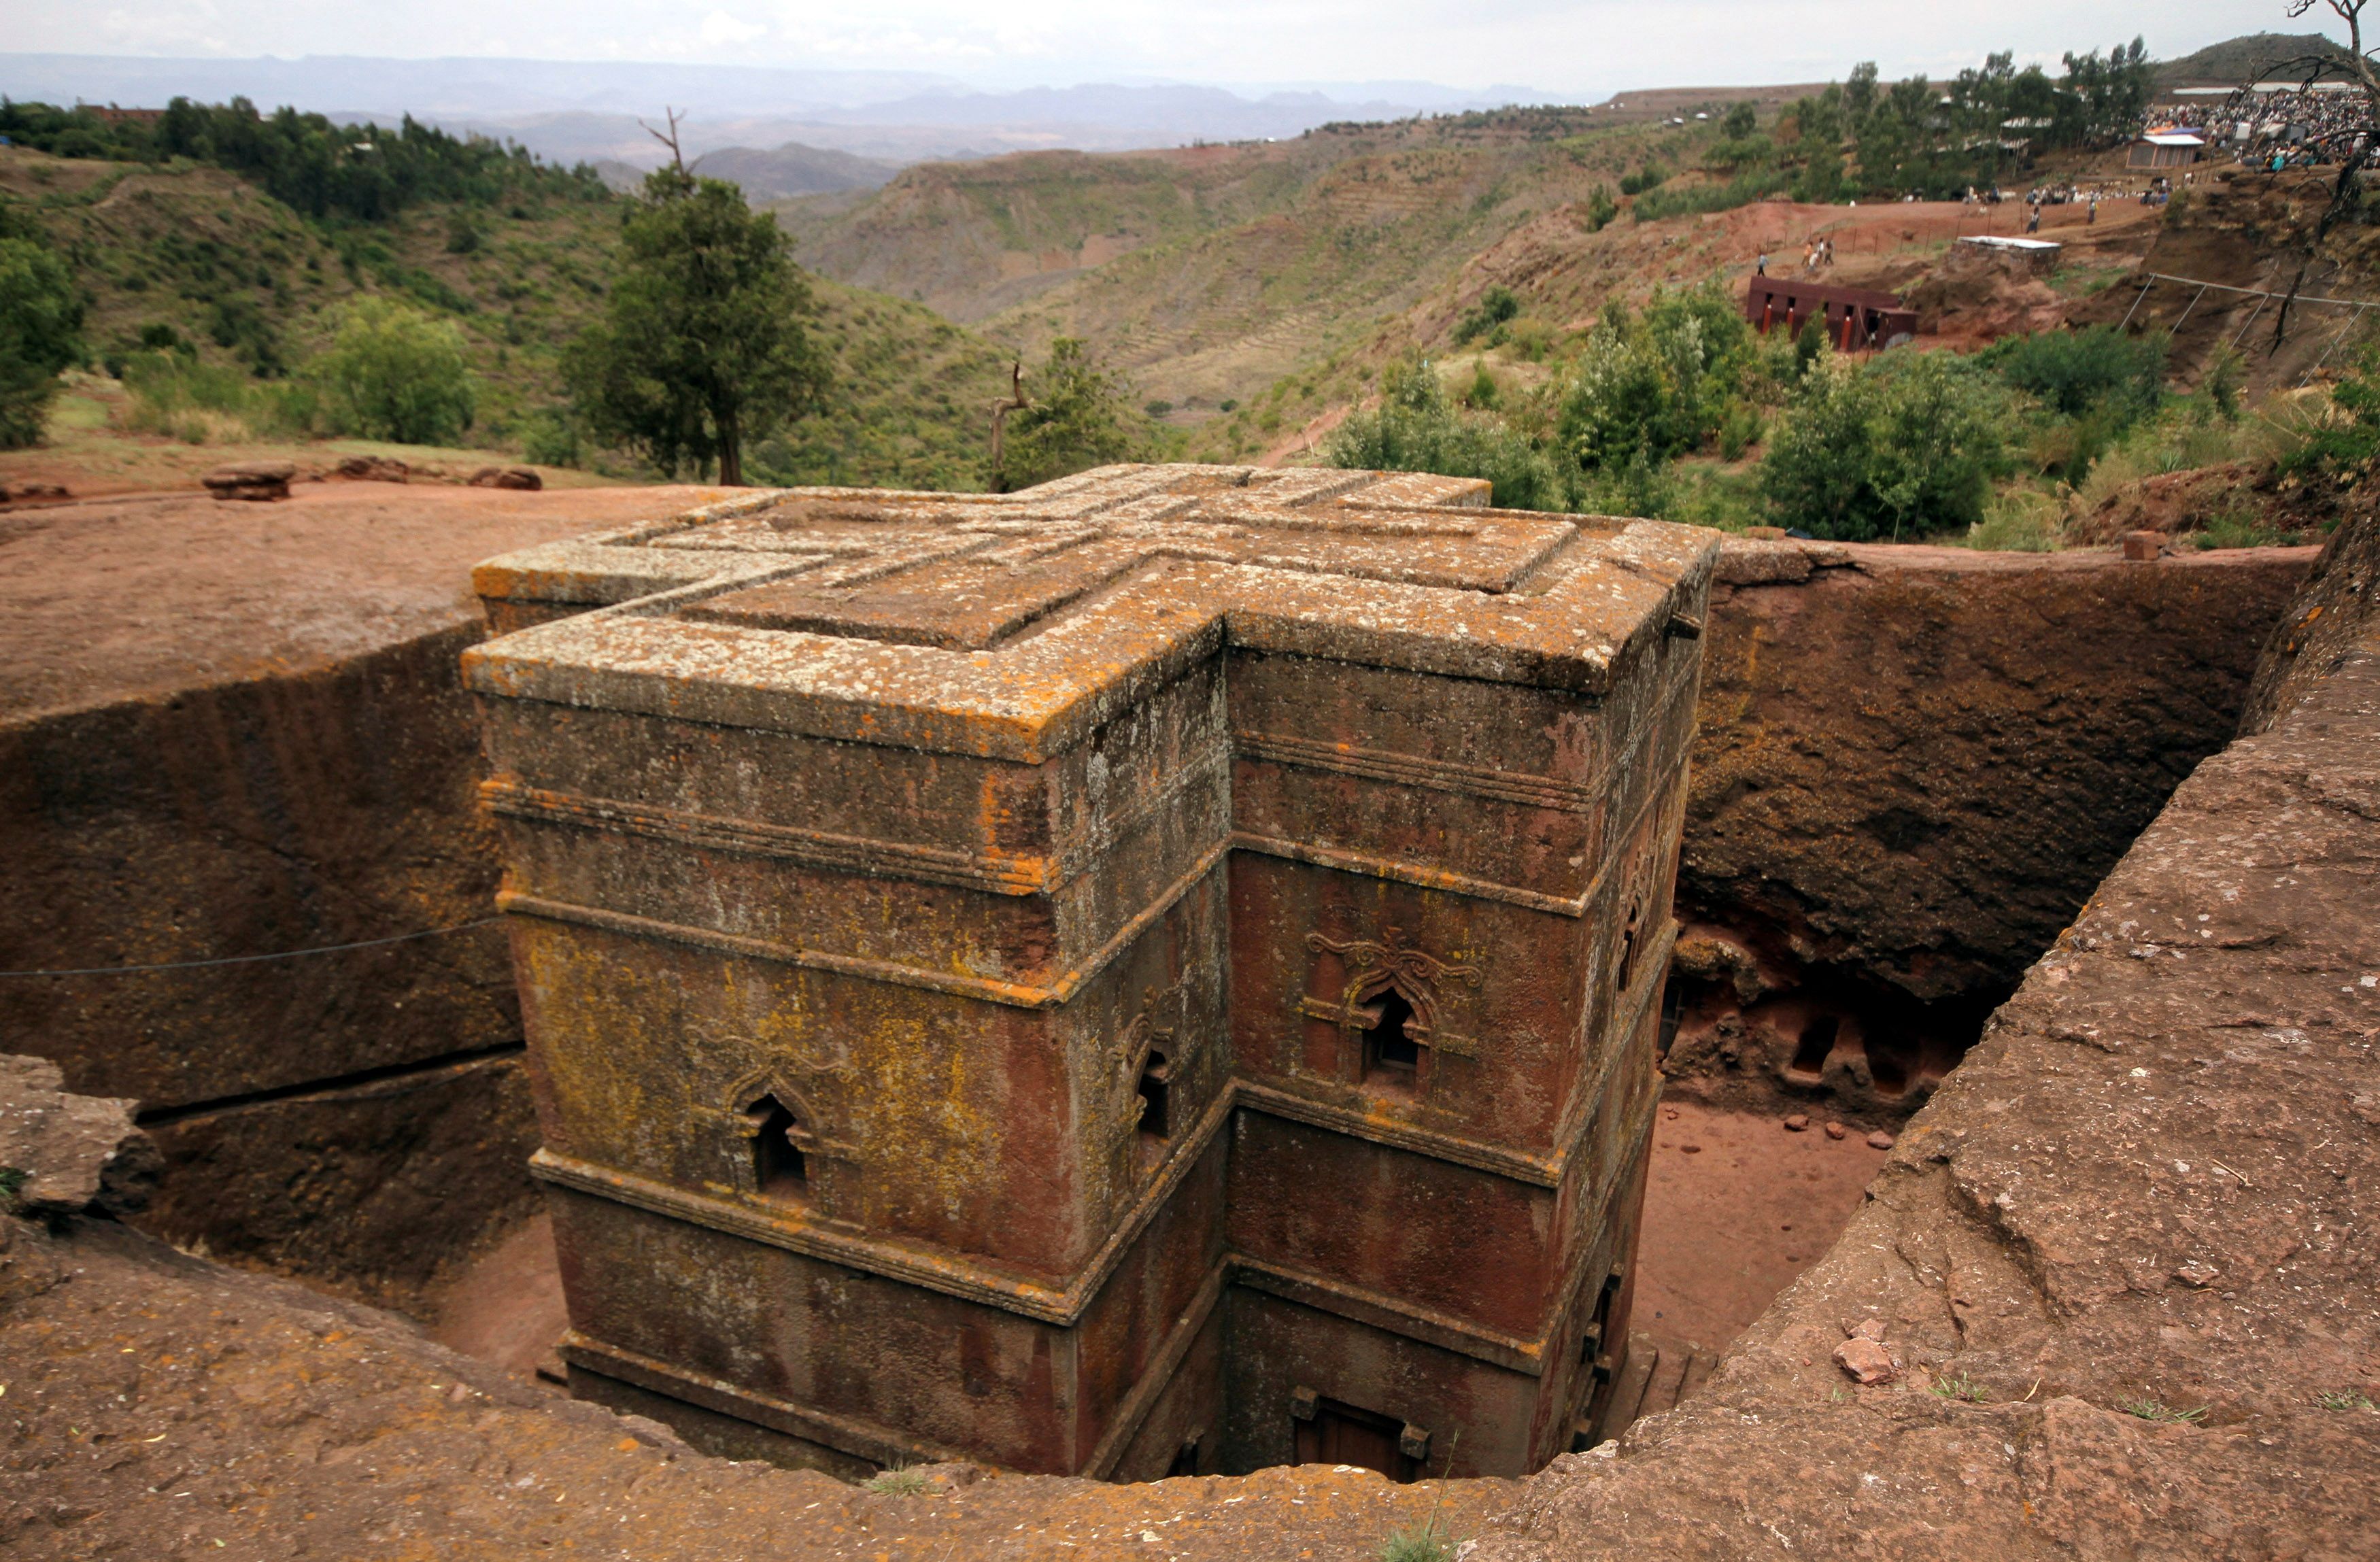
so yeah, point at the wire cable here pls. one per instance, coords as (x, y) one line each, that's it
(254, 958)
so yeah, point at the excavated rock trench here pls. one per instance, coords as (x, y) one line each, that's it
(1914, 767)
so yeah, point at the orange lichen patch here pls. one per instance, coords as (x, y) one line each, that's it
(950, 633)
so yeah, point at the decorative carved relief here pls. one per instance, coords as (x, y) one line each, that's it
(1373, 967)
(1128, 1055)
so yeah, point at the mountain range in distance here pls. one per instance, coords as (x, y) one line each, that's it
(572, 112)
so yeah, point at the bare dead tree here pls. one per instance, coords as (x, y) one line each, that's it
(2346, 195)
(1000, 411)
(677, 157)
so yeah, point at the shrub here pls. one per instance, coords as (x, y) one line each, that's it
(2099, 372)
(2343, 442)
(1601, 209)
(1416, 429)
(1745, 189)
(40, 321)
(2019, 521)
(1079, 419)
(550, 437)
(1654, 383)
(1495, 306)
(394, 373)
(1159, 408)
(1911, 443)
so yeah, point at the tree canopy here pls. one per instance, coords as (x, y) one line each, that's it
(1080, 418)
(40, 321)
(704, 344)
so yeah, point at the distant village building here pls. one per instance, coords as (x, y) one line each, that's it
(2166, 149)
(1857, 317)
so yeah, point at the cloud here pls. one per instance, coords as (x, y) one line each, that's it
(719, 29)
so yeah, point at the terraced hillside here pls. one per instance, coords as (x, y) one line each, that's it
(1209, 273)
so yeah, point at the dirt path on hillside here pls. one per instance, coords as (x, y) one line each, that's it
(135, 599)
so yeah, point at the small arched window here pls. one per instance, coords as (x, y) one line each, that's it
(780, 1167)
(1391, 1055)
(1156, 1105)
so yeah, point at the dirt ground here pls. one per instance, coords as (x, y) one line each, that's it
(132, 598)
(1734, 1209)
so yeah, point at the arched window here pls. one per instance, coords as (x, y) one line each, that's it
(780, 1169)
(1391, 1055)
(1156, 1079)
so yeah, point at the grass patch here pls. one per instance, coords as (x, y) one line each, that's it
(12, 1182)
(2162, 1413)
(2237, 529)
(2019, 520)
(1960, 1387)
(2336, 1400)
(199, 402)
(898, 1482)
(1425, 1542)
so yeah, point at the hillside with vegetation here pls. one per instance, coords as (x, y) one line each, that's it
(216, 267)
(1207, 274)
(1543, 296)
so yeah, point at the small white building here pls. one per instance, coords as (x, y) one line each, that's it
(2166, 149)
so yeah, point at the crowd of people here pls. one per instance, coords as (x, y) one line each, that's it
(2279, 129)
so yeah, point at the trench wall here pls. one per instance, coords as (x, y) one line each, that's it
(359, 1116)
(2112, 1295)
(1914, 765)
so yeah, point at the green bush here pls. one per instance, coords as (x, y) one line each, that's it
(1495, 306)
(1078, 419)
(1415, 429)
(1909, 444)
(2099, 372)
(40, 324)
(1601, 209)
(1742, 191)
(1654, 383)
(550, 437)
(394, 373)
(1482, 391)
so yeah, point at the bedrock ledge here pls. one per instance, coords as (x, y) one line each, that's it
(2121, 1268)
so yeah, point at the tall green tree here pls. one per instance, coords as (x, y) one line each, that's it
(705, 343)
(40, 321)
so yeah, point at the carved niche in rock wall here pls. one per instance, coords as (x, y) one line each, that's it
(1394, 1008)
(769, 1127)
(1143, 1066)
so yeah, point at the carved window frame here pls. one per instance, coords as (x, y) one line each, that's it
(1372, 967)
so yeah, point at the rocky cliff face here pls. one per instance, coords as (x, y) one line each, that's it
(2111, 1297)
(1914, 765)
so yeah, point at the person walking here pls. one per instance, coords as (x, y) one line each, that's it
(1760, 266)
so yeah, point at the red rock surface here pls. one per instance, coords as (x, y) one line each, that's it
(2124, 1257)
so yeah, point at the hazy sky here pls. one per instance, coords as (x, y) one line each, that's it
(1579, 48)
